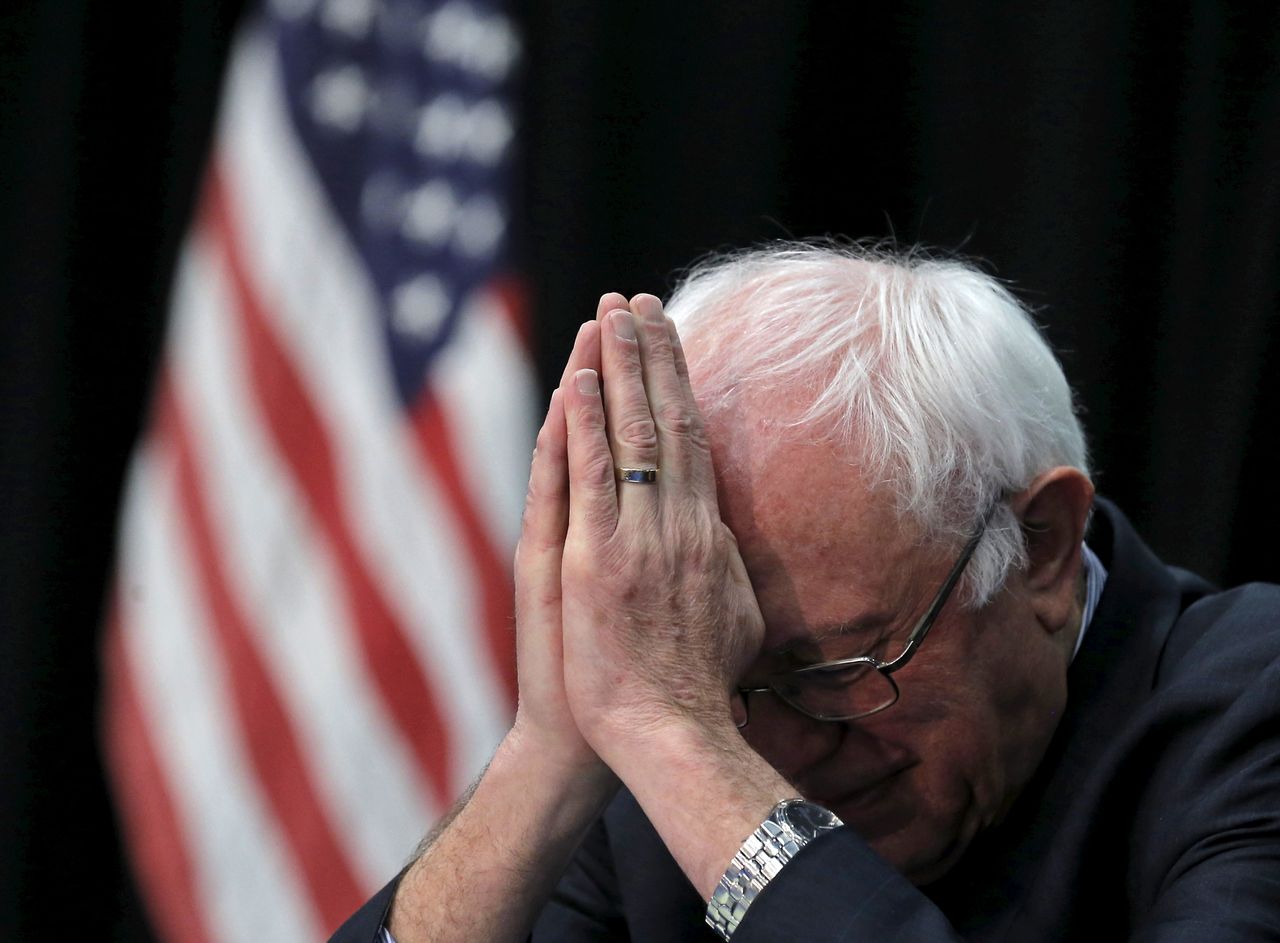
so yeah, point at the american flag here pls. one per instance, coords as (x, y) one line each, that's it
(310, 651)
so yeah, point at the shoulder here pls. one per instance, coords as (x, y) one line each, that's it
(1216, 687)
(1205, 770)
(1229, 638)
(1170, 625)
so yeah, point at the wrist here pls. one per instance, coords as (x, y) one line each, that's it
(560, 763)
(660, 728)
(704, 789)
(792, 824)
(489, 868)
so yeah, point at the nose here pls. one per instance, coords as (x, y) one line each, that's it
(792, 742)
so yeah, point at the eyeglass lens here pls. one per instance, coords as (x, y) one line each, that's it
(843, 692)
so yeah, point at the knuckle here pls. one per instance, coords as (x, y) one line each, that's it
(533, 547)
(544, 485)
(597, 472)
(656, 334)
(590, 419)
(576, 569)
(682, 422)
(703, 539)
(625, 569)
(637, 432)
(675, 419)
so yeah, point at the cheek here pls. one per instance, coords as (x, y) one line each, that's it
(943, 801)
(951, 723)
(959, 777)
(790, 742)
(980, 733)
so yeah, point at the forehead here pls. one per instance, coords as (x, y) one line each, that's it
(823, 546)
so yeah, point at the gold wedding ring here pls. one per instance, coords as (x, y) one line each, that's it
(639, 476)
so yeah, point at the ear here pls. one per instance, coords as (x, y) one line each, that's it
(1053, 510)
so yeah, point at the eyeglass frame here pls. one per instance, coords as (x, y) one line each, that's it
(885, 668)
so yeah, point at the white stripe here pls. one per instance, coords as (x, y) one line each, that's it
(485, 381)
(327, 313)
(279, 568)
(245, 881)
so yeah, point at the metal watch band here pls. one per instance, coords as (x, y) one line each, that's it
(791, 825)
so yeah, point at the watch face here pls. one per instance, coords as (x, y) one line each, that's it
(808, 818)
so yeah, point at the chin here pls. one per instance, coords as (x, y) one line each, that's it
(923, 850)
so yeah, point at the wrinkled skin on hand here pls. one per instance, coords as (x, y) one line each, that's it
(542, 715)
(660, 620)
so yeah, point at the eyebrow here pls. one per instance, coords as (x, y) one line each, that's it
(878, 622)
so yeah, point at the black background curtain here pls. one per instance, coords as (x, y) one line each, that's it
(1116, 161)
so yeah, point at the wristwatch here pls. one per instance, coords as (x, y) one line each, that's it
(791, 825)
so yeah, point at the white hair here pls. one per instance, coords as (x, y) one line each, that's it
(926, 371)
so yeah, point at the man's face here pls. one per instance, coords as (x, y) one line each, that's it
(836, 576)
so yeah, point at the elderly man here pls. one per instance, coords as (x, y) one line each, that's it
(814, 589)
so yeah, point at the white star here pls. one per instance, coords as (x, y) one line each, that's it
(489, 131)
(484, 45)
(480, 225)
(429, 213)
(441, 127)
(352, 18)
(448, 129)
(339, 97)
(419, 306)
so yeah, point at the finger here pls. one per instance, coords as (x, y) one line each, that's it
(702, 474)
(546, 507)
(681, 441)
(633, 440)
(682, 366)
(585, 354)
(546, 518)
(593, 498)
(584, 358)
(610, 301)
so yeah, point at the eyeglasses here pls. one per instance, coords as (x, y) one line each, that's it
(850, 688)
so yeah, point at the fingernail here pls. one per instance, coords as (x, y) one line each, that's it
(587, 382)
(624, 325)
(647, 305)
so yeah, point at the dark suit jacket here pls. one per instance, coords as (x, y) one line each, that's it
(1155, 815)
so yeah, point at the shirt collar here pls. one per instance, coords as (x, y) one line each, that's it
(1095, 577)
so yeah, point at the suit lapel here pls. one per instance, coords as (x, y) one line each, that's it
(1023, 871)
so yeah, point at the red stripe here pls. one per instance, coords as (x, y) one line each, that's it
(435, 442)
(153, 836)
(514, 302)
(264, 723)
(302, 438)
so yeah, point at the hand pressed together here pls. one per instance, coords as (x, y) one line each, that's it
(543, 719)
(659, 617)
(635, 615)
